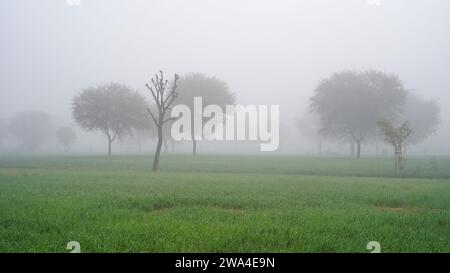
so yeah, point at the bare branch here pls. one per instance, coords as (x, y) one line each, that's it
(157, 89)
(153, 117)
(114, 137)
(173, 97)
(155, 97)
(151, 91)
(173, 94)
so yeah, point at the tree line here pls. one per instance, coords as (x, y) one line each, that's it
(366, 107)
(353, 107)
(33, 128)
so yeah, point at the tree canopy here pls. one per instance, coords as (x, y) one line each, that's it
(211, 89)
(350, 104)
(423, 117)
(113, 109)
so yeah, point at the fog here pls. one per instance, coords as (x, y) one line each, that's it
(268, 52)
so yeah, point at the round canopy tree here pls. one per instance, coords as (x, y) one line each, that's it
(350, 104)
(113, 109)
(31, 128)
(423, 117)
(66, 136)
(212, 91)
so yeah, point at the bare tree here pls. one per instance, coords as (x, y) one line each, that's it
(397, 138)
(163, 103)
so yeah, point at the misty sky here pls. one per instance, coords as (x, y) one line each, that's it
(269, 52)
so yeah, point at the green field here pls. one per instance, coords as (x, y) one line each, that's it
(223, 204)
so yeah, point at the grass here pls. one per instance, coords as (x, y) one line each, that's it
(223, 204)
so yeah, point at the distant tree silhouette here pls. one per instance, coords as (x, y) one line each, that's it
(212, 91)
(423, 117)
(66, 136)
(31, 128)
(350, 104)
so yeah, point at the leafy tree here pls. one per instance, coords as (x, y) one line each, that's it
(163, 102)
(423, 117)
(212, 91)
(31, 128)
(113, 109)
(350, 104)
(66, 136)
(397, 138)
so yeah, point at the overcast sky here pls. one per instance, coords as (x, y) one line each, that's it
(269, 52)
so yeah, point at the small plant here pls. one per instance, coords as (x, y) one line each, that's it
(396, 137)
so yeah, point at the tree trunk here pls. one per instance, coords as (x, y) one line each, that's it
(398, 157)
(158, 148)
(194, 147)
(403, 156)
(194, 142)
(358, 149)
(319, 147)
(358, 139)
(110, 140)
(109, 147)
(166, 147)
